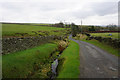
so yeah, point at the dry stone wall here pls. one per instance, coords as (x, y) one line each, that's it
(10, 45)
(110, 41)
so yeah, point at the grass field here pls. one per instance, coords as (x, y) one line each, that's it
(114, 35)
(104, 47)
(70, 66)
(30, 30)
(32, 62)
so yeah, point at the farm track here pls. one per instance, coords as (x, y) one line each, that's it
(95, 62)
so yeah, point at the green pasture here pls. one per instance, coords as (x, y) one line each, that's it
(114, 35)
(30, 30)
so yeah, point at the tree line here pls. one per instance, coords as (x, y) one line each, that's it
(75, 29)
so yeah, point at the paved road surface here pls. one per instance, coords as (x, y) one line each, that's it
(95, 62)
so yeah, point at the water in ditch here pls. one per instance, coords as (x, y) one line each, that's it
(54, 67)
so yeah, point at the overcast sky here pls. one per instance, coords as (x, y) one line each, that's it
(94, 12)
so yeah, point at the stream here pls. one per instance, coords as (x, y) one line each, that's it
(54, 67)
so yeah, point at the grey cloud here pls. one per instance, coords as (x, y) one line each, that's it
(82, 13)
(56, 10)
(105, 8)
(96, 8)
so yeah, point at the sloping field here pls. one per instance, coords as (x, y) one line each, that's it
(29, 30)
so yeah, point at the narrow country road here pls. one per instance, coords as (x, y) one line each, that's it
(95, 62)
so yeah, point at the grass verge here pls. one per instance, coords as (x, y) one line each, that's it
(101, 45)
(69, 66)
(33, 62)
(104, 47)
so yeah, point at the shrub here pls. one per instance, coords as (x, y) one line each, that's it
(62, 45)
